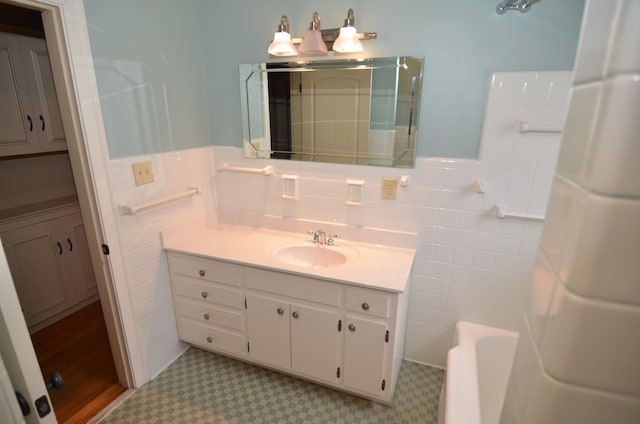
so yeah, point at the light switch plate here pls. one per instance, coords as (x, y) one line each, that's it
(143, 172)
(389, 186)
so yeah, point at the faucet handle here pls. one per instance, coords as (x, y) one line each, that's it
(330, 239)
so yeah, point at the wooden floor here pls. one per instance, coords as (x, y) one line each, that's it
(77, 348)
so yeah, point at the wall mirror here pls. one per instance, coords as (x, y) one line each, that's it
(356, 111)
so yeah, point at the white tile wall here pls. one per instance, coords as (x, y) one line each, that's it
(469, 264)
(145, 263)
(577, 355)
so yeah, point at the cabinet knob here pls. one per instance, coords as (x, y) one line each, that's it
(295, 314)
(352, 327)
(280, 311)
(202, 272)
(204, 294)
(207, 316)
(365, 306)
(210, 339)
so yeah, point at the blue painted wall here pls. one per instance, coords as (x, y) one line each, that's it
(148, 57)
(462, 41)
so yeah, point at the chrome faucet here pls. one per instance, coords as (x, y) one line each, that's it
(320, 237)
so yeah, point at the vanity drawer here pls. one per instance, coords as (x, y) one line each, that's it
(208, 314)
(213, 338)
(204, 269)
(368, 302)
(207, 292)
(293, 286)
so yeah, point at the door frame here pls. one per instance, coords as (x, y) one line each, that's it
(69, 48)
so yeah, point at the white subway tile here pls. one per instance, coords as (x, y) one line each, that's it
(612, 163)
(562, 223)
(604, 262)
(543, 286)
(592, 343)
(597, 23)
(625, 56)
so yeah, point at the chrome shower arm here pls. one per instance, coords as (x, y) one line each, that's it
(520, 5)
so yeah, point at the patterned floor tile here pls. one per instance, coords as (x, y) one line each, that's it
(202, 387)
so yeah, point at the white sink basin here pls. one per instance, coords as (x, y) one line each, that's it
(312, 256)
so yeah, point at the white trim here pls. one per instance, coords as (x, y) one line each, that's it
(74, 36)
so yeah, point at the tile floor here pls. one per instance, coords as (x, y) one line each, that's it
(202, 387)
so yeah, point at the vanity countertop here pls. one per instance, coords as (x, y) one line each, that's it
(377, 266)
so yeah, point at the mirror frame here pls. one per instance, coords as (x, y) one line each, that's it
(404, 145)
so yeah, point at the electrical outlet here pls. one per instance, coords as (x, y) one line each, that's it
(389, 186)
(143, 172)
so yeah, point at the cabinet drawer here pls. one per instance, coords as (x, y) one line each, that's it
(208, 314)
(203, 269)
(207, 292)
(213, 338)
(368, 302)
(293, 286)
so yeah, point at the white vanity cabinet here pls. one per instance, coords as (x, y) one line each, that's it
(344, 336)
(208, 303)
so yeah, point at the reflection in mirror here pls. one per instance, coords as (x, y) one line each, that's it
(345, 111)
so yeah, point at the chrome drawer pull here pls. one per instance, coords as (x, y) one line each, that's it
(207, 316)
(352, 327)
(365, 306)
(210, 339)
(202, 272)
(204, 294)
(280, 311)
(295, 314)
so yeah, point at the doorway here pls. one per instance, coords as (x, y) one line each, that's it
(68, 328)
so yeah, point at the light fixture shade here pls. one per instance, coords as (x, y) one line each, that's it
(348, 41)
(282, 45)
(312, 44)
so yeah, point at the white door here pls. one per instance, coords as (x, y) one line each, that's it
(18, 355)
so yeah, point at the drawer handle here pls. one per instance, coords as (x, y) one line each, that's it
(280, 311)
(352, 327)
(365, 306)
(202, 272)
(295, 314)
(210, 339)
(207, 317)
(204, 294)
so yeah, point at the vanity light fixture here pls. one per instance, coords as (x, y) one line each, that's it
(348, 41)
(312, 44)
(281, 44)
(317, 42)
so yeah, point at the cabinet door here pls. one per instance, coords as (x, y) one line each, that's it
(314, 342)
(34, 254)
(77, 269)
(17, 122)
(44, 99)
(268, 328)
(364, 355)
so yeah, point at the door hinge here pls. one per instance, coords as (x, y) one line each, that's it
(245, 303)
(386, 336)
(300, 88)
(339, 325)
(338, 372)
(384, 384)
(105, 249)
(248, 347)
